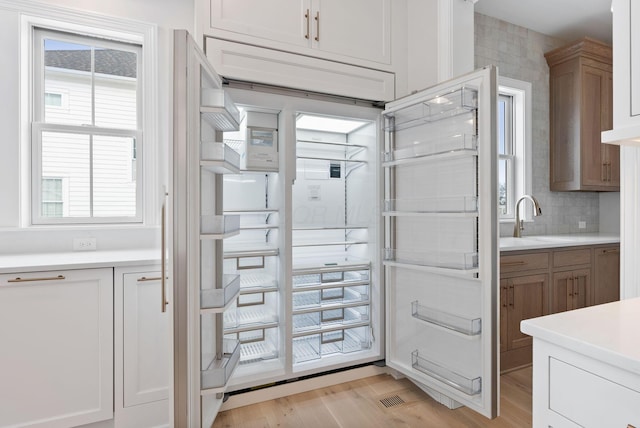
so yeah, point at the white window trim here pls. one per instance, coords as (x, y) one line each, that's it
(119, 29)
(521, 92)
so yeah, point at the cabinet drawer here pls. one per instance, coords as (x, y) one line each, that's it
(590, 400)
(572, 257)
(520, 262)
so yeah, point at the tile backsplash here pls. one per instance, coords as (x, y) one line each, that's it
(519, 54)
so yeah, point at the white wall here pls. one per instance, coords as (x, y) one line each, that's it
(167, 15)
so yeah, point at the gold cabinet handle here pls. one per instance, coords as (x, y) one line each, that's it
(45, 278)
(145, 279)
(609, 171)
(306, 16)
(603, 171)
(504, 296)
(615, 250)
(511, 298)
(317, 18)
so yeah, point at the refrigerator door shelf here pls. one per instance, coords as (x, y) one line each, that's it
(452, 322)
(464, 384)
(218, 110)
(219, 158)
(425, 150)
(216, 373)
(215, 300)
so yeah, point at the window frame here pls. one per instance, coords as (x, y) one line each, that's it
(40, 126)
(521, 94)
(117, 29)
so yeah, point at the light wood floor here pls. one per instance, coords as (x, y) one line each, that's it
(357, 405)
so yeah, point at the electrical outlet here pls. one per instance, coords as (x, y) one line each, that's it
(84, 244)
(582, 224)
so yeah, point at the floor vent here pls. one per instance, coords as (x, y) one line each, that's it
(392, 401)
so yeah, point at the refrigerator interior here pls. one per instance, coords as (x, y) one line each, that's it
(308, 241)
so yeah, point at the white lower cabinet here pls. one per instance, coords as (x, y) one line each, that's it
(56, 362)
(143, 349)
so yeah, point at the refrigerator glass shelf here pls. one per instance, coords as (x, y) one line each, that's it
(330, 227)
(217, 109)
(329, 278)
(216, 373)
(249, 249)
(436, 205)
(436, 259)
(220, 298)
(219, 226)
(331, 159)
(219, 156)
(454, 103)
(329, 317)
(325, 264)
(315, 346)
(256, 211)
(330, 297)
(453, 154)
(327, 244)
(469, 327)
(461, 383)
(425, 149)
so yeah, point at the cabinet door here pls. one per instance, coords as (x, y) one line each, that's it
(56, 362)
(146, 334)
(594, 120)
(504, 314)
(611, 152)
(356, 28)
(606, 281)
(526, 299)
(581, 293)
(562, 291)
(276, 20)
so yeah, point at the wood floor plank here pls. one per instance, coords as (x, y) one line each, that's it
(357, 404)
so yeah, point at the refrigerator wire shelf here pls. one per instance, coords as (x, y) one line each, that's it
(469, 327)
(469, 386)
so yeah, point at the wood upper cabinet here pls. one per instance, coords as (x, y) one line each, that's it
(606, 274)
(581, 107)
(355, 32)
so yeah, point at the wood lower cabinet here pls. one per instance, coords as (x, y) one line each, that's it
(56, 358)
(571, 290)
(606, 274)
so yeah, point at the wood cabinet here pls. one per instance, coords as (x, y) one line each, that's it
(581, 107)
(356, 32)
(570, 289)
(56, 362)
(524, 289)
(143, 362)
(606, 274)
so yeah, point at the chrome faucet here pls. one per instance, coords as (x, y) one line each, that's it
(519, 226)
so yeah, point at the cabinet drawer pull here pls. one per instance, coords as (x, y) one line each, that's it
(317, 26)
(306, 16)
(46, 278)
(615, 250)
(144, 278)
(518, 263)
(504, 296)
(511, 296)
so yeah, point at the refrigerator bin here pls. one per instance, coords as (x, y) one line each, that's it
(453, 204)
(469, 386)
(311, 279)
(216, 373)
(220, 297)
(257, 345)
(221, 226)
(253, 309)
(437, 259)
(219, 158)
(330, 296)
(315, 346)
(329, 317)
(218, 110)
(431, 148)
(470, 327)
(258, 270)
(451, 104)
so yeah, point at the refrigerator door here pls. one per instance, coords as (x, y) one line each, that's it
(441, 240)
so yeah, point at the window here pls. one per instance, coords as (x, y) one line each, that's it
(514, 145)
(95, 141)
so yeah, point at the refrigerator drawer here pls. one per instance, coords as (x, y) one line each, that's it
(257, 271)
(311, 279)
(343, 341)
(329, 317)
(256, 345)
(330, 296)
(254, 309)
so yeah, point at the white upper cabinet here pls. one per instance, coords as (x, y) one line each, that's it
(626, 75)
(356, 32)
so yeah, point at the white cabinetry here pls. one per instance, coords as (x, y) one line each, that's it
(143, 352)
(626, 75)
(56, 363)
(356, 32)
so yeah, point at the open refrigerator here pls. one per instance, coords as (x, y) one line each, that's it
(312, 234)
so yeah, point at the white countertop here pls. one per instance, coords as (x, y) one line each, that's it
(10, 263)
(556, 241)
(609, 333)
